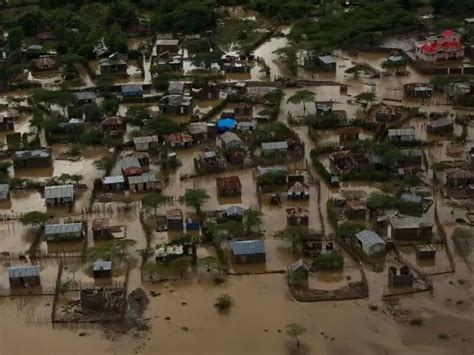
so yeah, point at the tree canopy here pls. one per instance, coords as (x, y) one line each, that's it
(195, 198)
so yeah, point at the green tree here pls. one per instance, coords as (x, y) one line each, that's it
(293, 235)
(252, 221)
(34, 217)
(295, 330)
(162, 125)
(114, 250)
(15, 38)
(138, 115)
(105, 163)
(302, 96)
(207, 59)
(195, 198)
(153, 200)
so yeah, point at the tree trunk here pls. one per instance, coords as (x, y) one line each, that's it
(297, 343)
(304, 108)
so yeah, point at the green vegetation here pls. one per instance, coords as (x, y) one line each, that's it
(348, 229)
(34, 217)
(224, 302)
(363, 25)
(295, 330)
(293, 235)
(114, 250)
(153, 200)
(381, 201)
(330, 261)
(195, 198)
(302, 96)
(272, 178)
(252, 221)
(452, 6)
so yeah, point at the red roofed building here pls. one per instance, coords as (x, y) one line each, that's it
(445, 46)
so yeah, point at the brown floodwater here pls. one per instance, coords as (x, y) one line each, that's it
(263, 305)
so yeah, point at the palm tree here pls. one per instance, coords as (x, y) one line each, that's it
(302, 96)
(195, 198)
(114, 250)
(153, 200)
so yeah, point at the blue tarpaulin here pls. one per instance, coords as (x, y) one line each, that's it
(226, 124)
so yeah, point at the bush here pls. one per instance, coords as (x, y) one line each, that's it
(331, 261)
(224, 302)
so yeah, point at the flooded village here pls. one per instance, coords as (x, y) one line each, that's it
(253, 179)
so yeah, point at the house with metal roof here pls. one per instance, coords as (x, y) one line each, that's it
(132, 91)
(144, 182)
(370, 242)
(248, 251)
(24, 276)
(145, 143)
(102, 269)
(297, 216)
(84, 97)
(113, 183)
(179, 140)
(235, 212)
(274, 147)
(29, 159)
(230, 140)
(63, 232)
(441, 126)
(404, 228)
(130, 166)
(174, 219)
(405, 134)
(4, 191)
(59, 195)
(116, 63)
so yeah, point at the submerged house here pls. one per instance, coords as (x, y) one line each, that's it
(248, 251)
(59, 195)
(130, 166)
(45, 63)
(298, 191)
(24, 276)
(145, 143)
(409, 229)
(113, 183)
(418, 90)
(114, 64)
(7, 119)
(102, 269)
(114, 125)
(63, 232)
(37, 158)
(132, 92)
(297, 216)
(229, 186)
(235, 213)
(441, 126)
(84, 97)
(230, 140)
(369, 243)
(269, 148)
(405, 134)
(400, 277)
(144, 182)
(179, 140)
(174, 219)
(348, 134)
(447, 45)
(4, 192)
(460, 178)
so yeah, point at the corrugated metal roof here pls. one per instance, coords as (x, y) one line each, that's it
(84, 95)
(408, 131)
(369, 238)
(4, 190)
(58, 191)
(411, 198)
(66, 228)
(275, 145)
(234, 210)
(130, 162)
(132, 88)
(32, 154)
(23, 271)
(248, 247)
(408, 222)
(327, 59)
(117, 179)
(145, 139)
(442, 122)
(102, 265)
(141, 179)
(229, 137)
